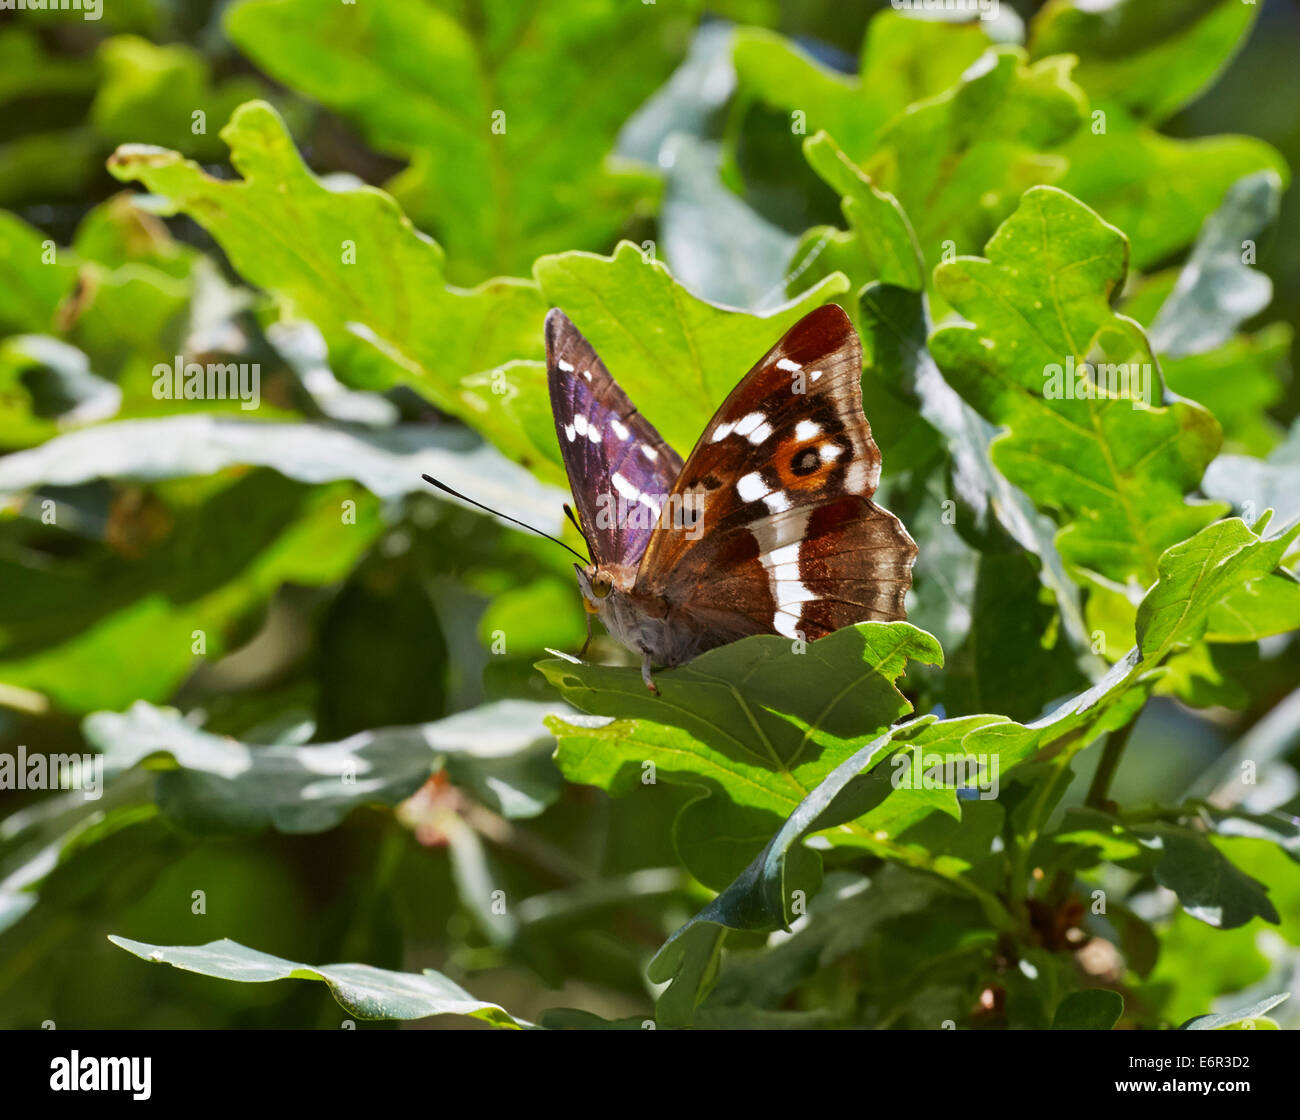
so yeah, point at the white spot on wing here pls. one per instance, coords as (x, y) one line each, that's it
(782, 564)
(580, 425)
(776, 501)
(749, 423)
(751, 487)
(784, 561)
(786, 364)
(566, 366)
(790, 591)
(830, 451)
(786, 624)
(722, 432)
(759, 434)
(807, 429)
(619, 429)
(630, 492)
(569, 432)
(649, 452)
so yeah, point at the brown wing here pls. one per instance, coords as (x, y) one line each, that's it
(785, 537)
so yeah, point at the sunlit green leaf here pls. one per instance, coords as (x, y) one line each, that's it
(1149, 58)
(348, 260)
(752, 724)
(472, 102)
(988, 509)
(879, 244)
(902, 61)
(1156, 188)
(363, 991)
(1112, 461)
(959, 162)
(1196, 578)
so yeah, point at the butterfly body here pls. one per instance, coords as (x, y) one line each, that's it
(645, 623)
(768, 527)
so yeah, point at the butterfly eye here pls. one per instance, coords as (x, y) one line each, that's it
(601, 585)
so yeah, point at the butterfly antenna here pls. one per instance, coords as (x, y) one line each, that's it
(497, 513)
(568, 512)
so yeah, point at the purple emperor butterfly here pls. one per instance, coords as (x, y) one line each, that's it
(768, 527)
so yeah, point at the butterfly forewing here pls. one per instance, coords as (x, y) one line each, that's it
(787, 538)
(620, 469)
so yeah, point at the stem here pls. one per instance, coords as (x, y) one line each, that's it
(494, 827)
(1018, 872)
(1111, 754)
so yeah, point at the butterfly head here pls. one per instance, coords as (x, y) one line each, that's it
(596, 584)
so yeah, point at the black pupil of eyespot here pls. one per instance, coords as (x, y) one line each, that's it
(805, 462)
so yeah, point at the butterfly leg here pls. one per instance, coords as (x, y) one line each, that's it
(583, 652)
(645, 672)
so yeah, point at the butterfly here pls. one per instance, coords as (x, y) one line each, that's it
(767, 528)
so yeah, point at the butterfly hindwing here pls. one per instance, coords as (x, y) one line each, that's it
(788, 539)
(801, 573)
(619, 467)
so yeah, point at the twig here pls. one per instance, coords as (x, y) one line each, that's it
(1111, 754)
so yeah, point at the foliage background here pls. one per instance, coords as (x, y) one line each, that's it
(625, 122)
